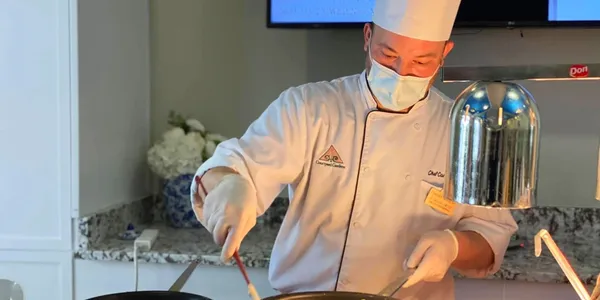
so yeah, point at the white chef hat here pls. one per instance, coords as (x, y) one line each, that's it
(429, 20)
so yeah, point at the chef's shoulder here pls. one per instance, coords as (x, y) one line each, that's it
(322, 98)
(442, 102)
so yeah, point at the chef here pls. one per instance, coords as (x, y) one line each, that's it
(363, 157)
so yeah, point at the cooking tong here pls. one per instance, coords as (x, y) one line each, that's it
(396, 285)
(183, 278)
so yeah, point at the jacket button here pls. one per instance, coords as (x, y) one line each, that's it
(407, 177)
(356, 224)
(417, 126)
(344, 281)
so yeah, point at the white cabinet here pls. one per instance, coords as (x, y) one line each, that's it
(35, 125)
(74, 125)
(41, 275)
(35, 157)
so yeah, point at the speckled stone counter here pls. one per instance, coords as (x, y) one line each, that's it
(584, 256)
(575, 231)
(184, 246)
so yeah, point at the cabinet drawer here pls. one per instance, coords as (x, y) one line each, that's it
(41, 275)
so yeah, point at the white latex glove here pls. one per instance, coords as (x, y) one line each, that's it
(432, 257)
(229, 212)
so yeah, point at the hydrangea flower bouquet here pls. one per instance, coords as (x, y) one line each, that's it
(175, 159)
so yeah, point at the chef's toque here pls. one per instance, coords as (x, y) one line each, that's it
(429, 20)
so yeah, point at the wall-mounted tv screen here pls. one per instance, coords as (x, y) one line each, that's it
(472, 13)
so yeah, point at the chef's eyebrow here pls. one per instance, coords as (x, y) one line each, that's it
(387, 47)
(427, 55)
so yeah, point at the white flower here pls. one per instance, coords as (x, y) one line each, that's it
(179, 153)
(215, 137)
(174, 156)
(173, 135)
(195, 125)
(211, 146)
(193, 140)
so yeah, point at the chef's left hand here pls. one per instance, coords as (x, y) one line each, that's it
(432, 257)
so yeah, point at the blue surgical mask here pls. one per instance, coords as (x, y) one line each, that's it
(394, 91)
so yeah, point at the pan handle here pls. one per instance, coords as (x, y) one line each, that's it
(183, 278)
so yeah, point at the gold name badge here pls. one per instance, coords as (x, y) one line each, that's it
(435, 199)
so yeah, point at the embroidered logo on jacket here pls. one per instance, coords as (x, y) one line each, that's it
(436, 174)
(331, 158)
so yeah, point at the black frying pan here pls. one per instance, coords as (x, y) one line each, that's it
(172, 294)
(151, 295)
(168, 295)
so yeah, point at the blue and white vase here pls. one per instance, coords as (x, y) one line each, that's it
(178, 208)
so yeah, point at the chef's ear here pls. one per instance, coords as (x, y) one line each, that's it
(447, 48)
(367, 35)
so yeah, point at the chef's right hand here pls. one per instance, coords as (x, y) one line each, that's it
(230, 212)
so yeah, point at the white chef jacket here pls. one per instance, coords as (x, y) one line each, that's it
(358, 179)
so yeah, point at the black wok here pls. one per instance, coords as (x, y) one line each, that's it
(151, 295)
(385, 294)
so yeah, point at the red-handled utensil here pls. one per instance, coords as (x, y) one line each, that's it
(251, 289)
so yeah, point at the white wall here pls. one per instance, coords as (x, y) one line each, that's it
(114, 102)
(197, 61)
(274, 59)
(259, 63)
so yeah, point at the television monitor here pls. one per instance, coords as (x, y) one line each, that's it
(472, 13)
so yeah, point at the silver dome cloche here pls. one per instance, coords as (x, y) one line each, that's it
(494, 146)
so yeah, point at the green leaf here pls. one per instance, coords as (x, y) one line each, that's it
(205, 155)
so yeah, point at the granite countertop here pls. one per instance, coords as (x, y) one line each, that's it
(185, 245)
(522, 264)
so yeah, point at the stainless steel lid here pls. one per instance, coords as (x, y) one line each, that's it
(494, 146)
(495, 133)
